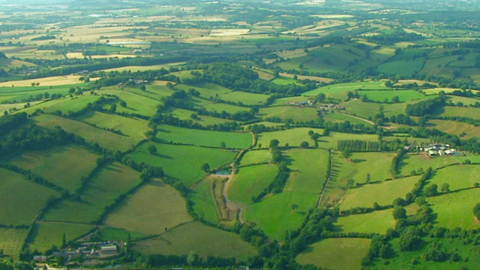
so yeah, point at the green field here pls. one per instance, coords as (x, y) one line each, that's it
(11, 241)
(201, 239)
(297, 114)
(456, 209)
(383, 194)
(106, 186)
(405, 68)
(235, 140)
(21, 200)
(115, 234)
(67, 104)
(463, 130)
(422, 161)
(338, 253)
(404, 95)
(347, 87)
(203, 120)
(207, 90)
(308, 171)
(48, 234)
(143, 103)
(294, 137)
(251, 181)
(473, 113)
(375, 222)
(134, 128)
(256, 157)
(104, 138)
(151, 210)
(183, 162)
(274, 216)
(62, 165)
(360, 165)
(458, 177)
(336, 117)
(245, 98)
(204, 204)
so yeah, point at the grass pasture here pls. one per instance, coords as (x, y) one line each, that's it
(49, 81)
(467, 112)
(297, 114)
(138, 102)
(347, 87)
(308, 170)
(106, 186)
(336, 117)
(204, 204)
(294, 137)
(256, 157)
(63, 165)
(203, 120)
(49, 234)
(422, 161)
(152, 209)
(361, 164)
(11, 241)
(134, 128)
(404, 95)
(382, 193)
(458, 177)
(251, 181)
(275, 222)
(67, 104)
(456, 209)
(202, 239)
(336, 253)
(183, 162)
(104, 138)
(463, 130)
(375, 222)
(235, 140)
(402, 67)
(21, 200)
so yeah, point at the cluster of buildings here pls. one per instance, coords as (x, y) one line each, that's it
(89, 251)
(321, 107)
(433, 150)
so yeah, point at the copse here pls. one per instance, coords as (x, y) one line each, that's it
(426, 107)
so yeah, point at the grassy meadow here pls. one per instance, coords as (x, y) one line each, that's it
(62, 165)
(199, 238)
(151, 210)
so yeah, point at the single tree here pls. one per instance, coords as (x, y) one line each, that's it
(304, 144)
(294, 207)
(346, 153)
(206, 167)
(476, 211)
(152, 149)
(274, 143)
(445, 188)
(431, 190)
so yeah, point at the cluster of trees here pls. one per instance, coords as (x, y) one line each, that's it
(236, 77)
(395, 167)
(426, 107)
(358, 146)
